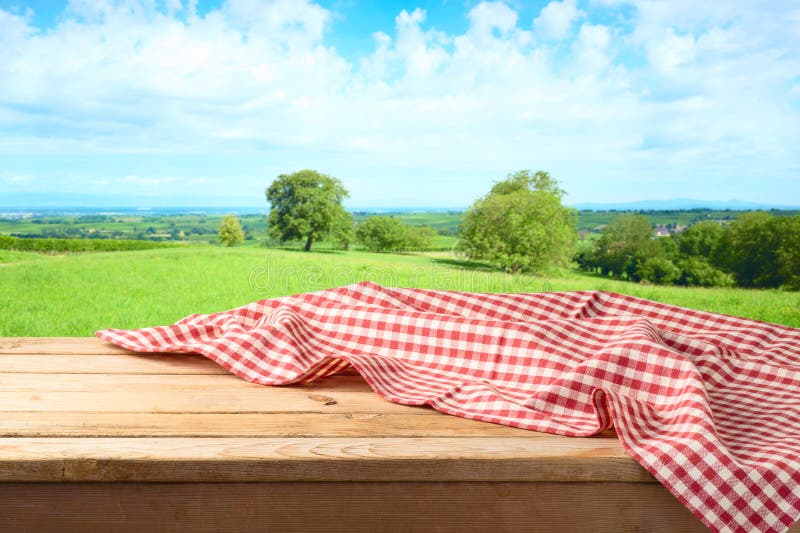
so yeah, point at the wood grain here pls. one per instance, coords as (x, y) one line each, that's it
(346, 507)
(199, 459)
(57, 382)
(57, 393)
(421, 423)
(58, 345)
(114, 363)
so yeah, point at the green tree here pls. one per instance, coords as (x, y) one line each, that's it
(789, 252)
(305, 205)
(696, 271)
(419, 237)
(749, 250)
(584, 257)
(520, 224)
(761, 250)
(342, 233)
(230, 231)
(625, 241)
(382, 234)
(701, 239)
(659, 270)
(388, 234)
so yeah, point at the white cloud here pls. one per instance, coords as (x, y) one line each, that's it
(671, 50)
(14, 28)
(592, 48)
(491, 19)
(556, 19)
(296, 23)
(417, 48)
(173, 6)
(717, 93)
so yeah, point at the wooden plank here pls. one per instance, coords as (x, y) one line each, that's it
(421, 423)
(346, 507)
(129, 363)
(548, 458)
(186, 394)
(178, 383)
(206, 401)
(58, 345)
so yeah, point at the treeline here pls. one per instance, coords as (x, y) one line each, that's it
(757, 249)
(70, 233)
(377, 233)
(76, 245)
(81, 219)
(150, 234)
(307, 205)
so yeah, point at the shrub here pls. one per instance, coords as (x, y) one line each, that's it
(701, 239)
(387, 234)
(382, 234)
(659, 270)
(230, 231)
(75, 245)
(626, 243)
(419, 237)
(697, 272)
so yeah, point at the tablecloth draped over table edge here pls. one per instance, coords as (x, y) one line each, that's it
(707, 403)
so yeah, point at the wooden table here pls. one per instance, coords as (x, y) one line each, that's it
(98, 438)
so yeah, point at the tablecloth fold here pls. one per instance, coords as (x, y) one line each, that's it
(708, 403)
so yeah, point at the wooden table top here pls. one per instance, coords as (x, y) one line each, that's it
(80, 409)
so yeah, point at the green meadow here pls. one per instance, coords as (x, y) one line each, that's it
(76, 294)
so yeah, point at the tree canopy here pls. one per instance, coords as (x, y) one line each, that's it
(757, 249)
(342, 233)
(387, 234)
(520, 224)
(625, 240)
(230, 231)
(381, 234)
(761, 250)
(306, 205)
(701, 239)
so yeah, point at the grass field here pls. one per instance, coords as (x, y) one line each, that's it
(184, 227)
(76, 294)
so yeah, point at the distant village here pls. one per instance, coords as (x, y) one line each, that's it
(589, 230)
(659, 230)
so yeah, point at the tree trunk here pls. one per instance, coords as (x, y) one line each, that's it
(308, 243)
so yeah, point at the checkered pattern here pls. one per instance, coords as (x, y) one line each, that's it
(708, 403)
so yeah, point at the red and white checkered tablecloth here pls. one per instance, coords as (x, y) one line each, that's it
(708, 403)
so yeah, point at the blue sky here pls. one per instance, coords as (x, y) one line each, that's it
(408, 103)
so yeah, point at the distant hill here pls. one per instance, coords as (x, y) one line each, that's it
(680, 204)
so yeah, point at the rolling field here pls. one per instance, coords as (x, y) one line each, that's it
(185, 227)
(191, 228)
(202, 228)
(76, 294)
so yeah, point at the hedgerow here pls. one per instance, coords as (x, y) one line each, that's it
(76, 245)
